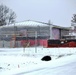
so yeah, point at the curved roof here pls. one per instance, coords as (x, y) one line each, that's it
(32, 23)
(29, 23)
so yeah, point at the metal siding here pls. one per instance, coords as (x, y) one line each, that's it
(64, 32)
(55, 33)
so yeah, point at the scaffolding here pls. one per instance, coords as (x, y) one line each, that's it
(9, 35)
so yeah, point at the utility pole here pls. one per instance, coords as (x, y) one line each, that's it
(35, 41)
(50, 26)
(14, 36)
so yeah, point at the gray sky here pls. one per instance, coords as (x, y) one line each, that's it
(60, 12)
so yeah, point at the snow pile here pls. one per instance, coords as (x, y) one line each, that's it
(16, 62)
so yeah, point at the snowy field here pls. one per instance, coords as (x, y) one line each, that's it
(20, 61)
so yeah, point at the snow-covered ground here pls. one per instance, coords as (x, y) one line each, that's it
(17, 61)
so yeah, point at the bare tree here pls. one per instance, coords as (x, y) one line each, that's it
(7, 16)
(74, 18)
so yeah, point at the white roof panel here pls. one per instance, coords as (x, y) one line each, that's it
(29, 23)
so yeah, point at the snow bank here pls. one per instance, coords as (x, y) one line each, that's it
(15, 60)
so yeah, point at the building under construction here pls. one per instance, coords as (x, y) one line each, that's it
(30, 33)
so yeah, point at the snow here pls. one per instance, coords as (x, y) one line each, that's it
(28, 23)
(16, 61)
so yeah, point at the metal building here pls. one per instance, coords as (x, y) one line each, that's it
(30, 33)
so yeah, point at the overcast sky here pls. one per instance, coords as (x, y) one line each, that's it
(59, 12)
